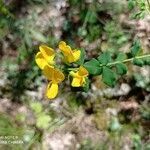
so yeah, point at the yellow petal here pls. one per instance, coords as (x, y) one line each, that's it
(48, 71)
(69, 58)
(52, 90)
(39, 59)
(76, 55)
(66, 50)
(76, 82)
(58, 76)
(53, 74)
(82, 71)
(62, 45)
(48, 53)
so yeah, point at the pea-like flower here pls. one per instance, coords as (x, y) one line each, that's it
(70, 55)
(45, 56)
(55, 76)
(79, 77)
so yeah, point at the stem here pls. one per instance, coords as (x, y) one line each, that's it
(72, 69)
(85, 21)
(148, 4)
(126, 60)
(117, 62)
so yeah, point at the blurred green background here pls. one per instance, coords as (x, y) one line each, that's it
(104, 118)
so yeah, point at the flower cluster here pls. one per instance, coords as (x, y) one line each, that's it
(45, 59)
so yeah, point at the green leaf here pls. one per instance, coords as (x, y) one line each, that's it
(87, 85)
(82, 32)
(109, 76)
(121, 56)
(104, 58)
(146, 61)
(131, 4)
(114, 124)
(136, 48)
(43, 121)
(28, 39)
(91, 16)
(82, 57)
(36, 107)
(38, 36)
(138, 62)
(94, 31)
(93, 67)
(121, 68)
(137, 143)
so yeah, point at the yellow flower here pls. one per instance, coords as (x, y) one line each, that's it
(55, 76)
(45, 56)
(79, 77)
(69, 54)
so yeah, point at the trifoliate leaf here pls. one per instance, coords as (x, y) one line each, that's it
(93, 67)
(109, 77)
(121, 68)
(104, 58)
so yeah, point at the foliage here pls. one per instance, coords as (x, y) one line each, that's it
(137, 143)
(85, 23)
(42, 118)
(143, 5)
(112, 69)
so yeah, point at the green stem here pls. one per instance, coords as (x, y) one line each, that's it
(117, 62)
(126, 60)
(85, 21)
(148, 4)
(72, 69)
